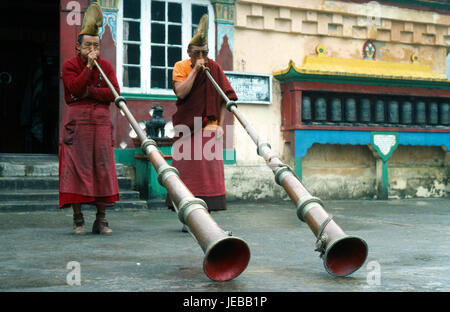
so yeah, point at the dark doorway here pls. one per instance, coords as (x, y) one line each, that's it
(29, 76)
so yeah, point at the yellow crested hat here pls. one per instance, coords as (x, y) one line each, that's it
(92, 20)
(201, 37)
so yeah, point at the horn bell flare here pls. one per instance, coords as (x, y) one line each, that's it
(345, 255)
(226, 259)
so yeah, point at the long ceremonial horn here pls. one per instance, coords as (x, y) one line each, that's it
(342, 254)
(226, 256)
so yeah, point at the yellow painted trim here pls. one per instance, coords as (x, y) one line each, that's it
(285, 71)
(323, 65)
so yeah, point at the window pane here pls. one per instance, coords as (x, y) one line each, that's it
(174, 12)
(131, 77)
(174, 34)
(158, 57)
(174, 55)
(158, 33)
(169, 79)
(132, 9)
(197, 13)
(131, 31)
(158, 11)
(158, 78)
(131, 54)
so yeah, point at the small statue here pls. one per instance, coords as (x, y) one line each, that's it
(156, 124)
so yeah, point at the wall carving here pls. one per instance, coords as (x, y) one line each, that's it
(328, 23)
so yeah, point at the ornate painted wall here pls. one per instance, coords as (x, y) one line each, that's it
(269, 34)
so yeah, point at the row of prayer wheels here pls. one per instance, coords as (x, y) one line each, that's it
(379, 111)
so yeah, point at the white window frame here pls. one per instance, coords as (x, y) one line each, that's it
(145, 29)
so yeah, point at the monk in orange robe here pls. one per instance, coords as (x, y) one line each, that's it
(197, 98)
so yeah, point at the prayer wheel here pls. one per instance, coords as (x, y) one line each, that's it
(320, 109)
(444, 114)
(379, 115)
(306, 109)
(365, 113)
(406, 113)
(433, 113)
(420, 113)
(350, 110)
(336, 110)
(393, 116)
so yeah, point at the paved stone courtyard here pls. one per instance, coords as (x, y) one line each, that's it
(408, 249)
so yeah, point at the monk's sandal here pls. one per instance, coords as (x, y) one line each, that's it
(78, 224)
(101, 227)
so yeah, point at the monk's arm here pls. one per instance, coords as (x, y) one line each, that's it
(183, 88)
(76, 83)
(105, 94)
(223, 110)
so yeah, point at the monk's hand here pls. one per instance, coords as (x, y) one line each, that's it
(92, 56)
(219, 133)
(199, 64)
(85, 95)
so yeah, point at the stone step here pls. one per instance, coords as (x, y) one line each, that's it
(25, 158)
(50, 195)
(30, 182)
(18, 206)
(20, 183)
(38, 169)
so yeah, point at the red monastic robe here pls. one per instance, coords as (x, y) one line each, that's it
(204, 178)
(87, 172)
(203, 100)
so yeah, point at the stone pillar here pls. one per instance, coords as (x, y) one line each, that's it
(384, 143)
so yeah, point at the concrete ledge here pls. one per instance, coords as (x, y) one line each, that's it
(258, 183)
(340, 187)
(252, 183)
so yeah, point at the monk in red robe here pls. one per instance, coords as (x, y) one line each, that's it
(197, 99)
(87, 172)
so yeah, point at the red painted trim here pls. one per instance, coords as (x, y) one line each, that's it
(292, 101)
(291, 112)
(362, 89)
